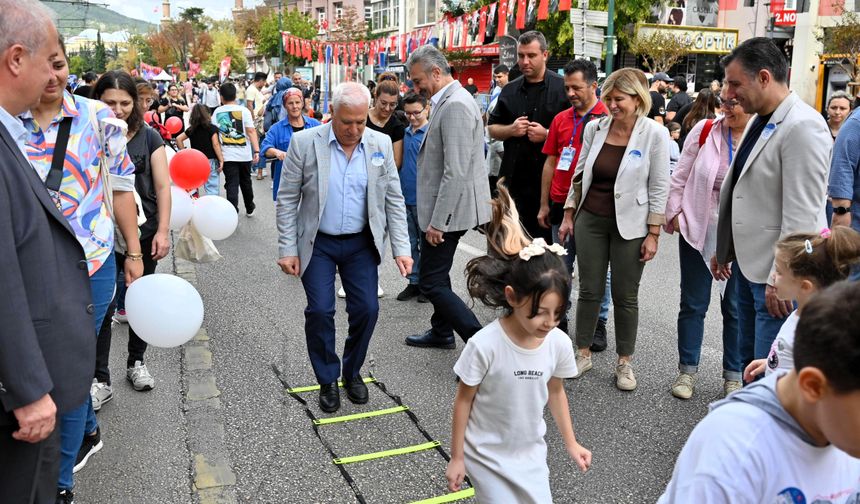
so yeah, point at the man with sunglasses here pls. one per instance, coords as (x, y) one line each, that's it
(417, 111)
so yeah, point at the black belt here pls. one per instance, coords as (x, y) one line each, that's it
(347, 236)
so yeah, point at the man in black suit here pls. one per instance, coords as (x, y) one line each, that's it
(47, 346)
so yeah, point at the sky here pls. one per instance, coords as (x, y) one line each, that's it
(150, 10)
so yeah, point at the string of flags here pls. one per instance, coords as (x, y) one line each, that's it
(481, 26)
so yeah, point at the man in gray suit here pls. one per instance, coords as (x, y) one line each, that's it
(453, 194)
(776, 186)
(47, 347)
(339, 194)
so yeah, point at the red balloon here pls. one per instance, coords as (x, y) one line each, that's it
(151, 117)
(189, 169)
(173, 125)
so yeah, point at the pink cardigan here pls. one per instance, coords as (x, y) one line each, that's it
(694, 193)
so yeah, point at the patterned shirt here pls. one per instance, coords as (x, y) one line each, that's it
(81, 191)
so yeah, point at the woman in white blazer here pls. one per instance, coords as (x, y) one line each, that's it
(617, 201)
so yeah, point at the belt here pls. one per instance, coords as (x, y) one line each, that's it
(346, 236)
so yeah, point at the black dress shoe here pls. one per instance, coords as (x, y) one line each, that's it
(411, 291)
(598, 344)
(429, 340)
(329, 398)
(422, 298)
(356, 390)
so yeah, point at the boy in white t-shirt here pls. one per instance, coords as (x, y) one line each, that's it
(239, 146)
(791, 437)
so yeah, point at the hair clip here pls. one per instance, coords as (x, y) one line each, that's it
(825, 233)
(538, 247)
(807, 245)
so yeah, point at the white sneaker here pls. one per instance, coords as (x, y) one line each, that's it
(683, 386)
(624, 377)
(730, 386)
(379, 291)
(100, 393)
(583, 364)
(120, 317)
(139, 377)
(341, 293)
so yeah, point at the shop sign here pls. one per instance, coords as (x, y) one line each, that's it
(701, 40)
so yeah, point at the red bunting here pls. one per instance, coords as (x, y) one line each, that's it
(522, 5)
(543, 10)
(482, 27)
(464, 38)
(502, 19)
(563, 5)
(320, 53)
(402, 54)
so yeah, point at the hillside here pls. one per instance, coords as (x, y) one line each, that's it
(73, 18)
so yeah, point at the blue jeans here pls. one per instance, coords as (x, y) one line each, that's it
(696, 282)
(81, 420)
(211, 186)
(570, 258)
(356, 259)
(757, 328)
(414, 240)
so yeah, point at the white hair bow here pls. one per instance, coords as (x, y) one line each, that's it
(539, 246)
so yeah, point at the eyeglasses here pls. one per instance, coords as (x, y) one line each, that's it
(415, 114)
(728, 104)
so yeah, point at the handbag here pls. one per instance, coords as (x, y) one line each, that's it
(193, 246)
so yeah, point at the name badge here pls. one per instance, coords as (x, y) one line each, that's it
(566, 159)
(769, 129)
(377, 159)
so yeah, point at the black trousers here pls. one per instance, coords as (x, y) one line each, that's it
(237, 174)
(28, 472)
(450, 313)
(136, 346)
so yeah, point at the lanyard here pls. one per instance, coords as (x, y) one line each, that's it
(577, 123)
(731, 147)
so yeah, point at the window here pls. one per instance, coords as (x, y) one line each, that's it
(426, 11)
(338, 10)
(385, 14)
(368, 14)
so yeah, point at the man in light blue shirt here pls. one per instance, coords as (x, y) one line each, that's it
(844, 186)
(339, 195)
(417, 110)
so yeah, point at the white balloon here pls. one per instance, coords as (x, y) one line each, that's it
(164, 310)
(181, 208)
(214, 217)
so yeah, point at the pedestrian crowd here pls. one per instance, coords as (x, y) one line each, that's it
(560, 174)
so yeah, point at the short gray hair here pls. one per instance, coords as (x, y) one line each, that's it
(843, 95)
(23, 22)
(429, 58)
(351, 94)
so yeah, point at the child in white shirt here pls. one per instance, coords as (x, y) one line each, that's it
(805, 264)
(512, 368)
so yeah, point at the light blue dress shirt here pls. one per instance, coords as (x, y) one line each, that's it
(345, 209)
(16, 129)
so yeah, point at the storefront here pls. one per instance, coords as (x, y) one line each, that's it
(707, 46)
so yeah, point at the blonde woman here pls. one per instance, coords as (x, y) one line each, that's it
(614, 209)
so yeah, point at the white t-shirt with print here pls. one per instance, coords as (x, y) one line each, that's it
(505, 452)
(231, 121)
(781, 354)
(740, 454)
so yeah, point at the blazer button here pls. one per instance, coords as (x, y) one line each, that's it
(82, 265)
(91, 309)
(617, 195)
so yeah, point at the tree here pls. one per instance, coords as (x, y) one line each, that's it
(659, 50)
(459, 59)
(349, 28)
(268, 38)
(99, 54)
(843, 40)
(193, 16)
(142, 52)
(225, 44)
(77, 65)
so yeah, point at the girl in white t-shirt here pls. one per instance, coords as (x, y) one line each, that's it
(805, 264)
(513, 367)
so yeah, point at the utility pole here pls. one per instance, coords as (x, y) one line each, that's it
(280, 31)
(610, 38)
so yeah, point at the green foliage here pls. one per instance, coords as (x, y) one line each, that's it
(224, 44)
(559, 34)
(194, 15)
(659, 50)
(77, 65)
(844, 40)
(99, 55)
(141, 48)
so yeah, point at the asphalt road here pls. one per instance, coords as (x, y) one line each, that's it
(254, 317)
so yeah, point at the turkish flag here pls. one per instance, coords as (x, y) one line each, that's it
(521, 14)
(563, 5)
(543, 10)
(464, 40)
(502, 22)
(482, 27)
(320, 53)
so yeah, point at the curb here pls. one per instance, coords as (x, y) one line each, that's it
(213, 478)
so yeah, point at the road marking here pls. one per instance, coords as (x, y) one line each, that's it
(474, 251)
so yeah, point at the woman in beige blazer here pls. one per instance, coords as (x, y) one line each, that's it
(617, 202)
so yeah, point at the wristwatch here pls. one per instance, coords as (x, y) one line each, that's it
(841, 210)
